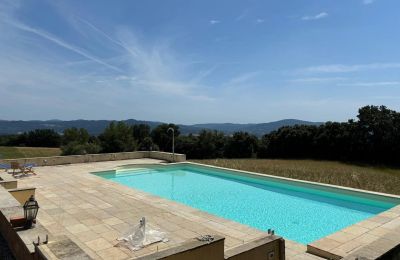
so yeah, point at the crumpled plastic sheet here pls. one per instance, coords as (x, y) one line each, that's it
(140, 236)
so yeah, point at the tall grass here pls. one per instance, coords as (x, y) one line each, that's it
(7, 152)
(380, 179)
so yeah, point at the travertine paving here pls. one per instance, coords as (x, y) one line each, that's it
(94, 212)
(357, 236)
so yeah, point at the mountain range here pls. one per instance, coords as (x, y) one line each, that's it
(95, 127)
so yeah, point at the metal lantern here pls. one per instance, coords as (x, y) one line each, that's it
(31, 208)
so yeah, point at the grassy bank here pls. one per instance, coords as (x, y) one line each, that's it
(379, 179)
(7, 152)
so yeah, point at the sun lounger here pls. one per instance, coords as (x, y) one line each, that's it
(28, 168)
(6, 167)
(22, 168)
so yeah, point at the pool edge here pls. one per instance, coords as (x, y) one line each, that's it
(298, 180)
(319, 248)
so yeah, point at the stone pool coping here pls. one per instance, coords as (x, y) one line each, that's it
(350, 239)
(345, 241)
(93, 212)
(318, 184)
(354, 238)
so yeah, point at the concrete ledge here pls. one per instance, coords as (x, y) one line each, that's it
(8, 181)
(9, 184)
(192, 249)
(22, 194)
(269, 247)
(322, 253)
(6, 200)
(386, 247)
(61, 248)
(72, 159)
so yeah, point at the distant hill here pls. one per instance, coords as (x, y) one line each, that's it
(257, 129)
(95, 127)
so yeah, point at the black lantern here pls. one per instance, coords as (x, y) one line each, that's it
(31, 208)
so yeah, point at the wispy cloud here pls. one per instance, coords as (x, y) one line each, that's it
(60, 43)
(212, 22)
(242, 15)
(38, 67)
(243, 78)
(155, 67)
(259, 20)
(371, 84)
(315, 17)
(317, 80)
(368, 2)
(102, 33)
(341, 68)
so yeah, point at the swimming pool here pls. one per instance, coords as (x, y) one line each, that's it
(298, 211)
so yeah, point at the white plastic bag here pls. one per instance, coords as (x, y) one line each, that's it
(139, 237)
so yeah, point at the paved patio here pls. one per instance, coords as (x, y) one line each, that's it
(352, 238)
(94, 212)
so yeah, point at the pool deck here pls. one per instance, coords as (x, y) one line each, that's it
(353, 238)
(93, 212)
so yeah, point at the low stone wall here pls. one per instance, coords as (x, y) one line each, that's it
(177, 157)
(191, 249)
(11, 207)
(72, 159)
(269, 247)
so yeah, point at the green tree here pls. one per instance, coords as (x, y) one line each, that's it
(75, 148)
(378, 131)
(13, 140)
(79, 142)
(373, 138)
(43, 138)
(289, 142)
(74, 134)
(210, 144)
(141, 134)
(187, 145)
(117, 137)
(148, 145)
(163, 138)
(241, 145)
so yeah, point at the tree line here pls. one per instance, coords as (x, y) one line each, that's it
(374, 137)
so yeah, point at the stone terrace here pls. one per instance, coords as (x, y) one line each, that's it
(93, 212)
(358, 236)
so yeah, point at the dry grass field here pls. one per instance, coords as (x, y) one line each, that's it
(7, 152)
(380, 179)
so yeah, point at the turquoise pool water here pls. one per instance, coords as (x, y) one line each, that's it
(299, 212)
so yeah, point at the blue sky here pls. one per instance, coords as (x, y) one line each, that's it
(198, 61)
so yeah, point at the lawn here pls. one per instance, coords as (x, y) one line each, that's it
(381, 179)
(7, 152)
